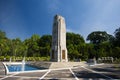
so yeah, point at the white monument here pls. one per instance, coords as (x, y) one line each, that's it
(59, 50)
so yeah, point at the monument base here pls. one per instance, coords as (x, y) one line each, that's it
(56, 65)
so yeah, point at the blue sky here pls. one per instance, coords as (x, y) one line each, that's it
(23, 18)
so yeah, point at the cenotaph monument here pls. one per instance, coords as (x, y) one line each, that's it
(58, 55)
(59, 50)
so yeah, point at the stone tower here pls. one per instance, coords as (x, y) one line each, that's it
(59, 50)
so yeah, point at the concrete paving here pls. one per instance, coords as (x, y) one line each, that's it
(2, 69)
(96, 72)
(60, 74)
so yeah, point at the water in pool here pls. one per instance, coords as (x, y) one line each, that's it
(15, 68)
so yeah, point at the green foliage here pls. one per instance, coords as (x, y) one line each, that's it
(32, 46)
(117, 37)
(103, 44)
(45, 45)
(75, 39)
(98, 37)
(7, 58)
(45, 40)
(38, 48)
(76, 46)
(13, 58)
(1, 58)
(116, 51)
(2, 35)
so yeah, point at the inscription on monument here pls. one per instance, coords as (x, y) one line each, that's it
(63, 54)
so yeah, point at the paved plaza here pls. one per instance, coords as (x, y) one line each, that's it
(97, 72)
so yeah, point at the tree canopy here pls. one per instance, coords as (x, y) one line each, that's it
(97, 37)
(101, 44)
(117, 37)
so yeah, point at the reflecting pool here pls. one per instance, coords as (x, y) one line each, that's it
(16, 68)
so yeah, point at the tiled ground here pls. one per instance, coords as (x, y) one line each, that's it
(83, 73)
(60, 74)
(33, 74)
(105, 71)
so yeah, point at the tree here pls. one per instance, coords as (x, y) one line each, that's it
(75, 44)
(90, 50)
(83, 50)
(45, 40)
(116, 52)
(72, 38)
(102, 42)
(117, 37)
(45, 45)
(32, 45)
(15, 47)
(4, 49)
(101, 45)
(97, 37)
(2, 35)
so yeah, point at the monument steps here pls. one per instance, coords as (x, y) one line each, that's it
(56, 65)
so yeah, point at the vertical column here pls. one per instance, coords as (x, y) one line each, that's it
(59, 49)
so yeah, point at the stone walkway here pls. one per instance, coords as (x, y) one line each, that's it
(104, 71)
(2, 69)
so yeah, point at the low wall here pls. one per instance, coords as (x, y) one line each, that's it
(45, 65)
